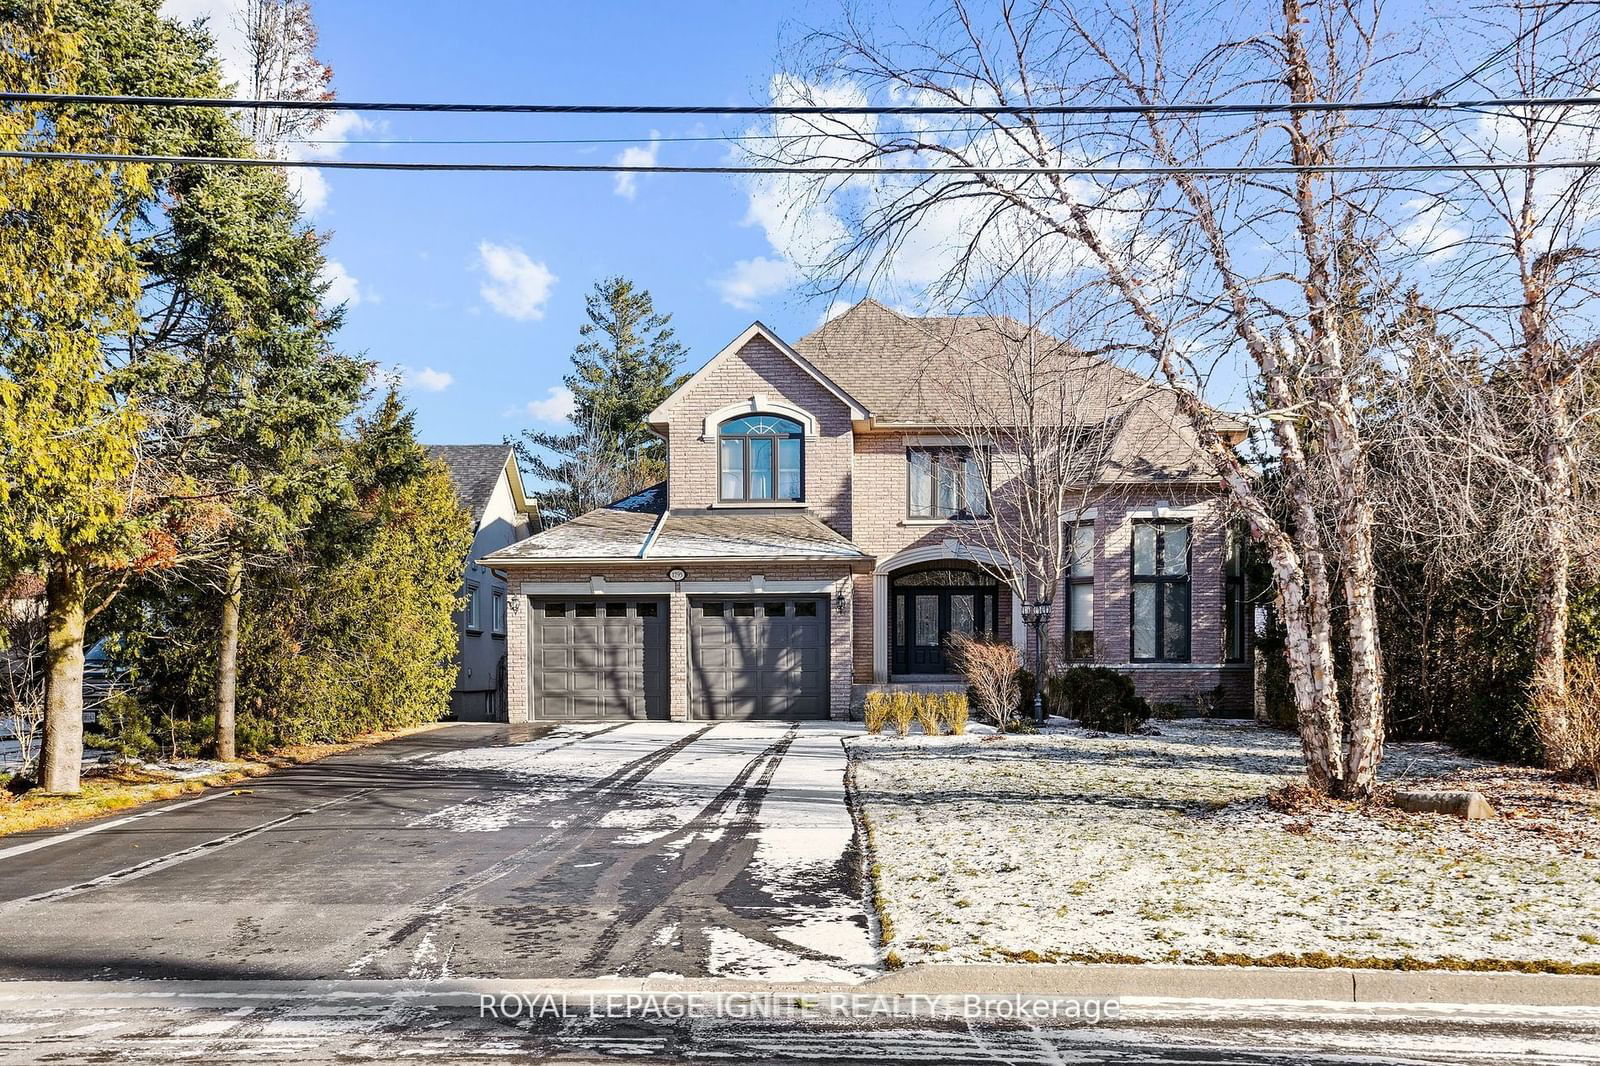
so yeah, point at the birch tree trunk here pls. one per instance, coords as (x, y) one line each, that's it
(1346, 457)
(228, 658)
(61, 760)
(1553, 530)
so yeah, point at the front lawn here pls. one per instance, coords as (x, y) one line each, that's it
(1071, 846)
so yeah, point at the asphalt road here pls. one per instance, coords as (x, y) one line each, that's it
(347, 1024)
(469, 850)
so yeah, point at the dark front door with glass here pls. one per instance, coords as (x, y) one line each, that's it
(930, 605)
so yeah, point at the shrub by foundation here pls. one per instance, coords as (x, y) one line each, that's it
(875, 711)
(1099, 698)
(953, 710)
(902, 710)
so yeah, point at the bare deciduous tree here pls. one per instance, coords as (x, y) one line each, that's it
(1041, 420)
(1506, 265)
(1196, 270)
(280, 39)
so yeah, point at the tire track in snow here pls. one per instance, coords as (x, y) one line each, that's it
(420, 919)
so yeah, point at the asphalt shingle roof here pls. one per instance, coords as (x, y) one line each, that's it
(921, 371)
(474, 469)
(641, 527)
(616, 531)
(754, 534)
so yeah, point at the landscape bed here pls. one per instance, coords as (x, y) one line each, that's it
(1071, 846)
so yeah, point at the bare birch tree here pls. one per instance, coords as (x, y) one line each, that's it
(1506, 263)
(1197, 270)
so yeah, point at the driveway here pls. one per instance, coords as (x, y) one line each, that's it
(471, 851)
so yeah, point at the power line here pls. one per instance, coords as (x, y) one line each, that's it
(640, 139)
(1259, 107)
(1511, 46)
(840, 171)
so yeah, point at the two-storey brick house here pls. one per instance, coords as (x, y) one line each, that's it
(805, 546)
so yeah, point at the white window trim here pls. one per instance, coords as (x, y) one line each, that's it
(948, 549)
(471, 621)
(497, 612)
(758, 403)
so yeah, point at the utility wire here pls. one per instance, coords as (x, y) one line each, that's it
(841, 171)
(1511, 46)
(640, 139)
(1261, 107)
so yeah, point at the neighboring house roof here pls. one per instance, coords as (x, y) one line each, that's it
(640, 527)
(474, 471)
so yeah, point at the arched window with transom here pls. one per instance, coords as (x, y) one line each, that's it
(760, 457)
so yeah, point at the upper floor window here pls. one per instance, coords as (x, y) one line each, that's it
(470, 616)
(760, 458)
(1161, 591)
(945, 482)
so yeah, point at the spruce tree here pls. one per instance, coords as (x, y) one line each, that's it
(625, 364)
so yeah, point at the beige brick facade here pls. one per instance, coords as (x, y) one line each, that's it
(832, 580)
(759, 371)
(855, 481)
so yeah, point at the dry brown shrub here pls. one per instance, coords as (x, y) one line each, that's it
(990, 668)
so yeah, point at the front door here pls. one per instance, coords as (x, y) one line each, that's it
(927, 614)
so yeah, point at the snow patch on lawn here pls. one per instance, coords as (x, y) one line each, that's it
(1164, 848)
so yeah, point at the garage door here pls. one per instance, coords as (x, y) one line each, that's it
(759, 658)
(597, 659)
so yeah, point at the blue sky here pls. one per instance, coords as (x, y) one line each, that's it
(415, 251)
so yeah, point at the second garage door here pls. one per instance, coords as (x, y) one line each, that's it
(592, 659)
(759, 658)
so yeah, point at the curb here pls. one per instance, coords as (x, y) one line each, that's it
(1108, 980)
(1040, 981)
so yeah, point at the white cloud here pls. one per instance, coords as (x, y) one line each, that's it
(557, 405)
(517, 287)
(834, 309)
(223, 21)
(627, 185)
(343, 287)
(310, 184)
(753, 280)
(428, 379)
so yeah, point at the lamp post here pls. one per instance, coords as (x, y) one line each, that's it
(1035, 614)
